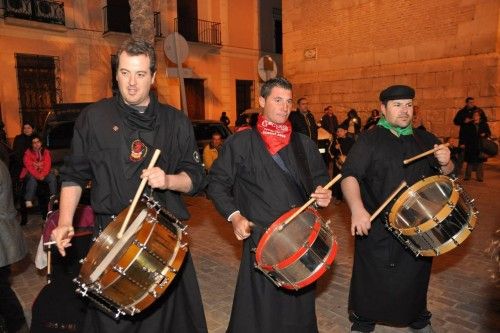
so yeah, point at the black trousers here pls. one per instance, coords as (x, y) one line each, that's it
(10, 307)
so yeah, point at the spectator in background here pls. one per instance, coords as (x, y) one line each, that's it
(225, 119)
(372, 120)
(462, 118)
(341, 146)
(352, 123)
(303, 120)
(12, 249)
(211, 151)
(471, 137)
(329, 121)
(37, 165)
(21, 143)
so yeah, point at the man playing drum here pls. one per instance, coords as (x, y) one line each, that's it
(114, 140)
(388, 283)
(261, 173)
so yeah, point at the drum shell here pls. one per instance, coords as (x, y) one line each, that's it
(143, 268)
(444, 228)
(294, 263)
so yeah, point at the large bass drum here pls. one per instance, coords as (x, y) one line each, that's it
(433, 216)
(124, 276)
(298, 253)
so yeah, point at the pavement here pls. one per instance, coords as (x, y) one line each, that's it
(462, 295)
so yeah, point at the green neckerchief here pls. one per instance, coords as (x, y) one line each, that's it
(398, 131)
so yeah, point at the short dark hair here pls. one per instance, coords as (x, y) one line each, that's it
(29, 123)
(328, 107)
(469, 99)
(278, 81)
(300, 100)
(138, 47)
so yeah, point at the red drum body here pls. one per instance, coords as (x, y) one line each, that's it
(124, 276)
(296, 254)
(433, 216)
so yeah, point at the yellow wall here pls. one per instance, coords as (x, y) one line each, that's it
(85, 55)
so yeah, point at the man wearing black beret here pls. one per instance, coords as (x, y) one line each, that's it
(389, 284)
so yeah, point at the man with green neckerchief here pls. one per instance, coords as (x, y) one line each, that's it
(389, 284)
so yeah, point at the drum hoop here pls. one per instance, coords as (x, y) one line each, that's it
(295, 256)
(319, 271)
(449, 245)
(431, 223)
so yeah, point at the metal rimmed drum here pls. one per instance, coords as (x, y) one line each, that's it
(124, 276)
(433, 216)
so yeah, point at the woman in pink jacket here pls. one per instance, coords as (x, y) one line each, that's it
(37, 165)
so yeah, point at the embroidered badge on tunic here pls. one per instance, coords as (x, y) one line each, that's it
(138, 150)
(196, 156)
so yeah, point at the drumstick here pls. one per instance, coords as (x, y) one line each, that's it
(309, 202)
(137, 195)
(430, 151)
(386, 202)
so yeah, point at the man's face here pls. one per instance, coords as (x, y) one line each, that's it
(27, 130)
(277, 105)
(303, 105)
(36, 144)
(329, 111)
(470, 104)
(134, 79)
(216, 140)
(341, 133)
(398, 112)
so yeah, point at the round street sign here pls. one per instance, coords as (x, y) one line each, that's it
(173, 41)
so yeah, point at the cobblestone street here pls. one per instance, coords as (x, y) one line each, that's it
(462, 296)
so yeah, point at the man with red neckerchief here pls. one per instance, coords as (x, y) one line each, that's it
(260, 174)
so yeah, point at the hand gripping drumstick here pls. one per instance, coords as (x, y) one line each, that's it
(310, 201)
(137, 195)
(430, 151)
(386, 202)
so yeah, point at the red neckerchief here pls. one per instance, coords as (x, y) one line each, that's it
(275, 136)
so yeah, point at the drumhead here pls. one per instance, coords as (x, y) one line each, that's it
(421, 202)
(279, 245)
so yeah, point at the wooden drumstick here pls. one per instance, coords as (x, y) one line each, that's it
(430, 151)
(309, 202)
(137, 195)
(386, 202)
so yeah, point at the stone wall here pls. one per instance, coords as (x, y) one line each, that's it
(344, 52)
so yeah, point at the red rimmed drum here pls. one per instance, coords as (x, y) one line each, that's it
(295, 254)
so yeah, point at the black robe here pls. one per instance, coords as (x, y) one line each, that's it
(101, 152)
(389, 284)
(246, 178)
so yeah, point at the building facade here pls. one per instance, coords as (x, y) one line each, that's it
(343, 52)
(63, 52)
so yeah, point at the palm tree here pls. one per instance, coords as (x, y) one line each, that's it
(142, 20)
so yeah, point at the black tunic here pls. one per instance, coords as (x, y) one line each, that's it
(245, 177)
(389, 284)
(100, 149)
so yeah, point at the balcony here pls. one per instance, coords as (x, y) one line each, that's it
(45, 11)
(117, 19)
(199, 31)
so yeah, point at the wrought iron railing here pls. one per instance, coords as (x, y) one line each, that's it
(200, 31)
(36, 10)
(117, 19)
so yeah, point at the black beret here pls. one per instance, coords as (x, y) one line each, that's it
(397, 92)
